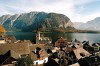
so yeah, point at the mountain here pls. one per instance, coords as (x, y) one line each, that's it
(35, 20)
(91, 25)
(77, 24)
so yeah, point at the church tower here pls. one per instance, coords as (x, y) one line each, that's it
(38, 36)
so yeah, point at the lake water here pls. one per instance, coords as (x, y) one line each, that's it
(23, 35)
(92, 37)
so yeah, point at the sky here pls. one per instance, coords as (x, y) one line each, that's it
(76, 10)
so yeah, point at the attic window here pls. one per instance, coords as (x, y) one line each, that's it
(82, 54)
(77, 44)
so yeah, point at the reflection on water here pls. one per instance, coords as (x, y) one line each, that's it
(92, 37)
(55, 35)
(23, 35)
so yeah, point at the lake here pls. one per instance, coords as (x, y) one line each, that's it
(23, 35)
(92, 37)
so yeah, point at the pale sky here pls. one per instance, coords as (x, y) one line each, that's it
(76, 10)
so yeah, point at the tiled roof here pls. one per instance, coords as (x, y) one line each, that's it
(5, 57)
(32, 49)
(80, 50)
(20, 48)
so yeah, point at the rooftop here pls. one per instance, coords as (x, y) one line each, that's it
(20, 48)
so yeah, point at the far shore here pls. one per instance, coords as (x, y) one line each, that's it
(69, 31)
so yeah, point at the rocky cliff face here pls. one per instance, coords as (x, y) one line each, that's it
(35, 20)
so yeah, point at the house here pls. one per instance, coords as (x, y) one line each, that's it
(40, 39)
(61, 42)
(7, 58)
(96, 46)
(2, 40)
(81, 53)
(9, 39)
(76, 64)
(20, 48)
(76, 44)
(38, 54)
(89, 61)
(10, 52)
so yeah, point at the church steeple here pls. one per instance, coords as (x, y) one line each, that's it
(38, 37)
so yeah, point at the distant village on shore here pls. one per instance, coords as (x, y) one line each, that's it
(44, 53)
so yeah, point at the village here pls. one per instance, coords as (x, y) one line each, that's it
(43, 53)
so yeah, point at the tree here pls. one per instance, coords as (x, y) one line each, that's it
(1, 28)
(24, 61)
